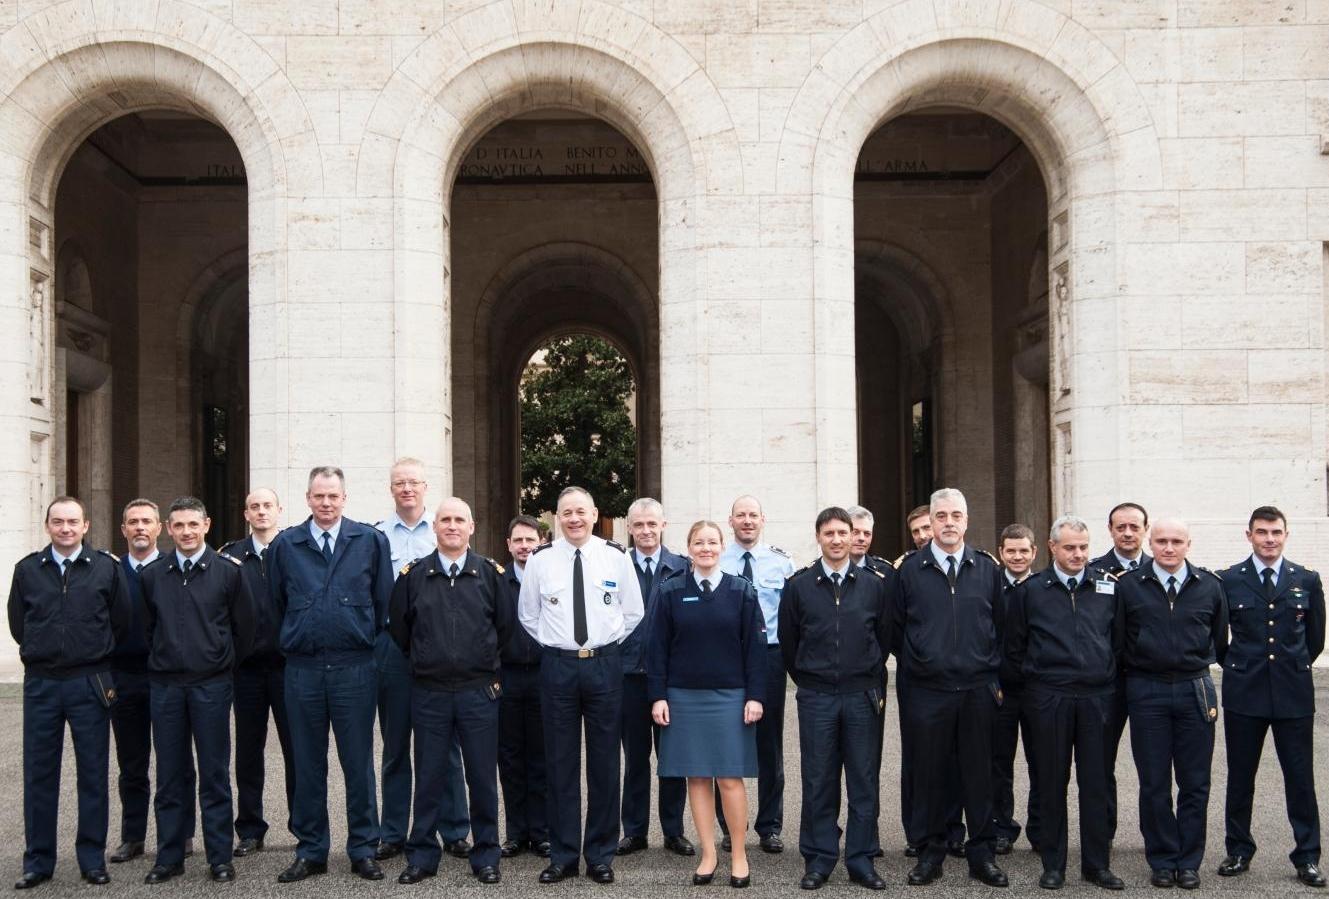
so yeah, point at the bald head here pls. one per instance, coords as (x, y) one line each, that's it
(263, 513)
(453, 506)
(1169, 543)
(453, 526)
(747, 521)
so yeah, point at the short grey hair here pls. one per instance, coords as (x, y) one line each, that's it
(1074, 522)
(948, 494)
(643, 504)
(857, 512)
(326, 471)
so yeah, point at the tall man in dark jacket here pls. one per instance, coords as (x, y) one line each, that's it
(260, 679)
(835, 634)
(1276, 611)
(1063, 636)
(450, 616)
(521, 748)
(653, 563)
(68, 607)
(199, 618)
(947, 600)
(1176, 626)
(331, 578)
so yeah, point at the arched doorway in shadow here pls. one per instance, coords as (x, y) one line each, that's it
(554, 231)
(951, 217)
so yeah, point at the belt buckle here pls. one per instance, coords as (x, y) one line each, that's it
(585, 653)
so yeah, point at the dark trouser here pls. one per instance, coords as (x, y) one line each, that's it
(340, 697)
(47, 704)
(1012, 718)
(131, 722)
(913, 815)
(440, 719)
(1116, 726)
(577, 693)
(1169, 731)
(259, 686)
(1244, 737)
(837, 733)
(200, 714)
(521, 755)
(952, 740)
(1057, 725)
(639, 735)
(770, 750)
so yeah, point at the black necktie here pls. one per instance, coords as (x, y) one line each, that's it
(579, 632)
(835, 584)
(705, 587)
(1070, 584)
(950, 571)
(187, 567)
(747, 567)
(327, 546)
(452, 571)
(1171, 590)
(650, 576)
(1268, 575)
(1135, 563)
(64, 570)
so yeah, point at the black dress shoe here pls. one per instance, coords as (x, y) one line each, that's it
(629, 845)
(1188, 879)
(300, 869)
(1310, 875)
(1234, 865)
(600, 873)
(680, 845)
(541, 848)
(163, 873)
(458, 848)
(1105, 879)
(877, 853)
(872, 880)
(555, 873)
(488, 874)
(772, 843)
(366, 869)
(955, 848)
(1163, 878)
(98, 876)
(386, 851)
(413, 874)
(910, 850)
(740, 883)
(126, 851)
(924, 873)
(701, 880)
(30, 879)
(248, 846)
(1001, 846)
(1052, 880)
(813, 880)
(989, 873)
(727, 844)
(511, 848)
(223, 873)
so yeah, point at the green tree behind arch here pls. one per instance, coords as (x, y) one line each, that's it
(575, 427)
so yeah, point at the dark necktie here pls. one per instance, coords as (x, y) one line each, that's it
(650, 576)
(835, 584)
(747, 567)
(64, 570)
(1171, 590)
(579, 632)
(327, 546)
(1268, 575)
(1135, 563)
(187, 567)
(1071, 584)
(705, 587)
(452, 571)
(950, 571)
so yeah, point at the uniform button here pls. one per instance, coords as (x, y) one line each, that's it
(1271, 657)
(1271, 624)
(1271, 639)
(1271, 605)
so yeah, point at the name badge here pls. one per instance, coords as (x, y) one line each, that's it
(692, 599)
(1108, 587)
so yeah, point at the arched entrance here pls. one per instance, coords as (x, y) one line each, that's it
(553, 232)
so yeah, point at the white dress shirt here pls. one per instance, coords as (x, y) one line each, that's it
(613, 596)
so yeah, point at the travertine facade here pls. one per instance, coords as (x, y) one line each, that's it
(1177, 242)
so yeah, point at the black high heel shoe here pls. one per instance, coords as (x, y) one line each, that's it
(701, 880)
(740, 883)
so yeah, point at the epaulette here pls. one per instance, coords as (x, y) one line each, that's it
(1207, 571)
(806, 568)
(779, 552)
(35, 552)
(899, 560)
(541, 548)
(231, 558)
(618, 546)
(406, 568)
(497, 567)
(874, 571)
(878, 559)
(1107, 575)
(990, 556)
(107, 552)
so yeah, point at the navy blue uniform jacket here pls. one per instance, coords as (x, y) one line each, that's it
(1266, 679)
(832, 646)
(1065, 643)
(949, 639)
(198, 629)
(634, 645)
(267, 623)
(331, 613)
(715, 643)
(1172, 642)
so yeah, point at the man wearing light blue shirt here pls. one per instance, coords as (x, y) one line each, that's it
(411, 537)
(766, 567)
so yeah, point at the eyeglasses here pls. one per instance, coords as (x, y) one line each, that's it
(402, 485)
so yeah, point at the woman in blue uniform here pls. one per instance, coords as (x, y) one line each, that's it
(705, 675)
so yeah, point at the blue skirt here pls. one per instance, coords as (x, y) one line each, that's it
(706, 736)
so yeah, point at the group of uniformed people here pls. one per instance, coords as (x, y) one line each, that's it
(501, 674)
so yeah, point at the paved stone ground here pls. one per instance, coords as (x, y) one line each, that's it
(656, 872)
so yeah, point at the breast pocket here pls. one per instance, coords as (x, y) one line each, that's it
(298, 624)
(554, 594)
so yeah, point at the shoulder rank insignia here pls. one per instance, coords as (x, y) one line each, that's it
(230, 558)
(541, 548)
(876, 572)
(991, 556)
(899, 560)
(107, 552)
(779, 552)
(497, 567)
(405, 569)
(618, 546)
